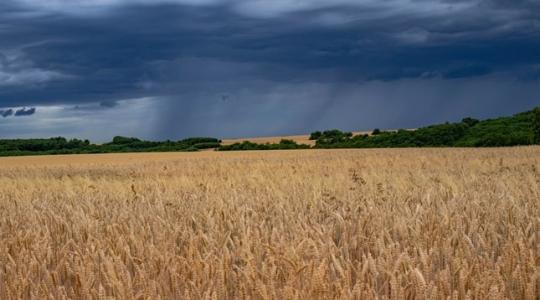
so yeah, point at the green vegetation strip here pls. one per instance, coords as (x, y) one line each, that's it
(60, 145)
(520, 129)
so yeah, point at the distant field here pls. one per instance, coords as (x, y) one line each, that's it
(303, 224)
(300, 139)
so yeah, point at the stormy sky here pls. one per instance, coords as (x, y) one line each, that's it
(169, 69)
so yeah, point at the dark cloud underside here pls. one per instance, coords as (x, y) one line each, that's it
(284, 66)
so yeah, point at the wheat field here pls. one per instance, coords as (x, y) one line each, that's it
(315, 224)
(300, 139)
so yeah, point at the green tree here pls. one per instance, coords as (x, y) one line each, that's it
(122, 140)
(536, 125)
(315, 135)
(470, 121)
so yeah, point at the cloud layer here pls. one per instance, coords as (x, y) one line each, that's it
(22, 112)
(236, 67)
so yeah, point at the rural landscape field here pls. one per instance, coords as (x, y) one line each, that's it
(300, 139)
(305, 224)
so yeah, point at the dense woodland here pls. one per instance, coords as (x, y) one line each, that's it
(246, 145)
(119, 144)
(520, 129)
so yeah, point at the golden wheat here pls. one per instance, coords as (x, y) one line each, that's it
(346, 224)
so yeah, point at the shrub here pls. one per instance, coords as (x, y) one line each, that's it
(536, 125)
(315, 135)
(470, 121)
(246, 145)
(121, 140)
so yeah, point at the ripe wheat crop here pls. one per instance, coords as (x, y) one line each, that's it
(336, 224)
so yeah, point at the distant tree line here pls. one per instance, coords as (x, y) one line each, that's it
(60, 145)
(520, 129)
(246, 145)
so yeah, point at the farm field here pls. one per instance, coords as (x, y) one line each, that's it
(300, 139)
(303, 224)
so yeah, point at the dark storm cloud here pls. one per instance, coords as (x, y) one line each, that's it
(304, 107)
(94, 107)
(6, 113)
(22, 112)
(264, 55)
(108, 103)
(25, 112)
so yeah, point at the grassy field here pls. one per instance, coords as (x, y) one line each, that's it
(318, 224)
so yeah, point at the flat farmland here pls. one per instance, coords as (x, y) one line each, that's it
(300, 139)
(305, 224)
